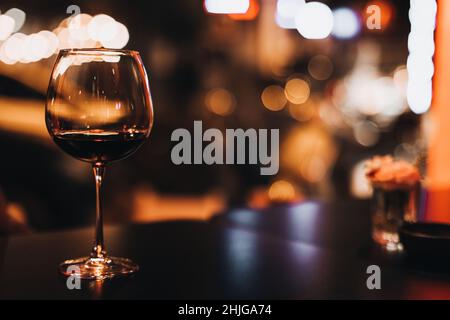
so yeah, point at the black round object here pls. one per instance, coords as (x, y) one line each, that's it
(427, 243)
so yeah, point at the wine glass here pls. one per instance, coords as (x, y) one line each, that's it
(99, 110)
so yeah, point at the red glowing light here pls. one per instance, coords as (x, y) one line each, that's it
(251, 13)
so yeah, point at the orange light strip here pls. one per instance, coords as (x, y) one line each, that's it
(438, 202)
(251, 13)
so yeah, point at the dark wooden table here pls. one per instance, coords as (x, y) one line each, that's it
(306, 251)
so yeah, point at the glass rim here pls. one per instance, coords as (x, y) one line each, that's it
(98, 51)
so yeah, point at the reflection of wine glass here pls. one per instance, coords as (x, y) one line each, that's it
(99, 110)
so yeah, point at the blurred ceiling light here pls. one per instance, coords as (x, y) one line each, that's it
(100, 27)
(286, 11)
(251, 13)
(120, 39)
(320, 67)
(4, 58)
(52, 41)
(227, 6)
(63, 38)
(18, 16)
(220, 102)
(346, 23)
(422, 15)
(80, 31)
(419, 95)
(366, 133)
(13, 46)
(108, 31)
(6, 26)
(78, 27)
(314, 20)
(34, 48)
(421, 43)
(273, 98)
(420, 67)
(297, 91)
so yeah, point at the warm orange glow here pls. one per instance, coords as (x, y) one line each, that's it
(438, 204)
(220, 102)
(297, 91)
(282, 191)
(273, 98)
(251, 13)
(23, 116)
(149, 206)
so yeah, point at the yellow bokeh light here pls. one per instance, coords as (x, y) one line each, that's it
(273, 98)
(220, 102)
(297, 91)
(282, 191)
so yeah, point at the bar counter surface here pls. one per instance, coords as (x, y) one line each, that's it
(311, 250)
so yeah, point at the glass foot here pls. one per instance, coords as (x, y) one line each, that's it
(98, 268)
(388, 240)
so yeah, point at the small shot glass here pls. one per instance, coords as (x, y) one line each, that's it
(396, 186)
(392, 207)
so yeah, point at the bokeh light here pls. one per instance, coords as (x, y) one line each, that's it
(6, 26)
(220, 102)
(80, 31)
(282, 191)
(420, 66)
(400, 78)
(119, 40)
(251, 13)
(273, 98)
(346, 23)
(286, 11)
(13, 47)
(303, 112)
(359, 184)
(52, 42)
(320, 67)
(314, 20)
(227, 6)
(78, 27)
(99, 26)
(297, 91)
(313, 169)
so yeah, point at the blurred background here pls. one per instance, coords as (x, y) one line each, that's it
(337, 101)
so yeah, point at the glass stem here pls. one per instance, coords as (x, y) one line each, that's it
(99, 248)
